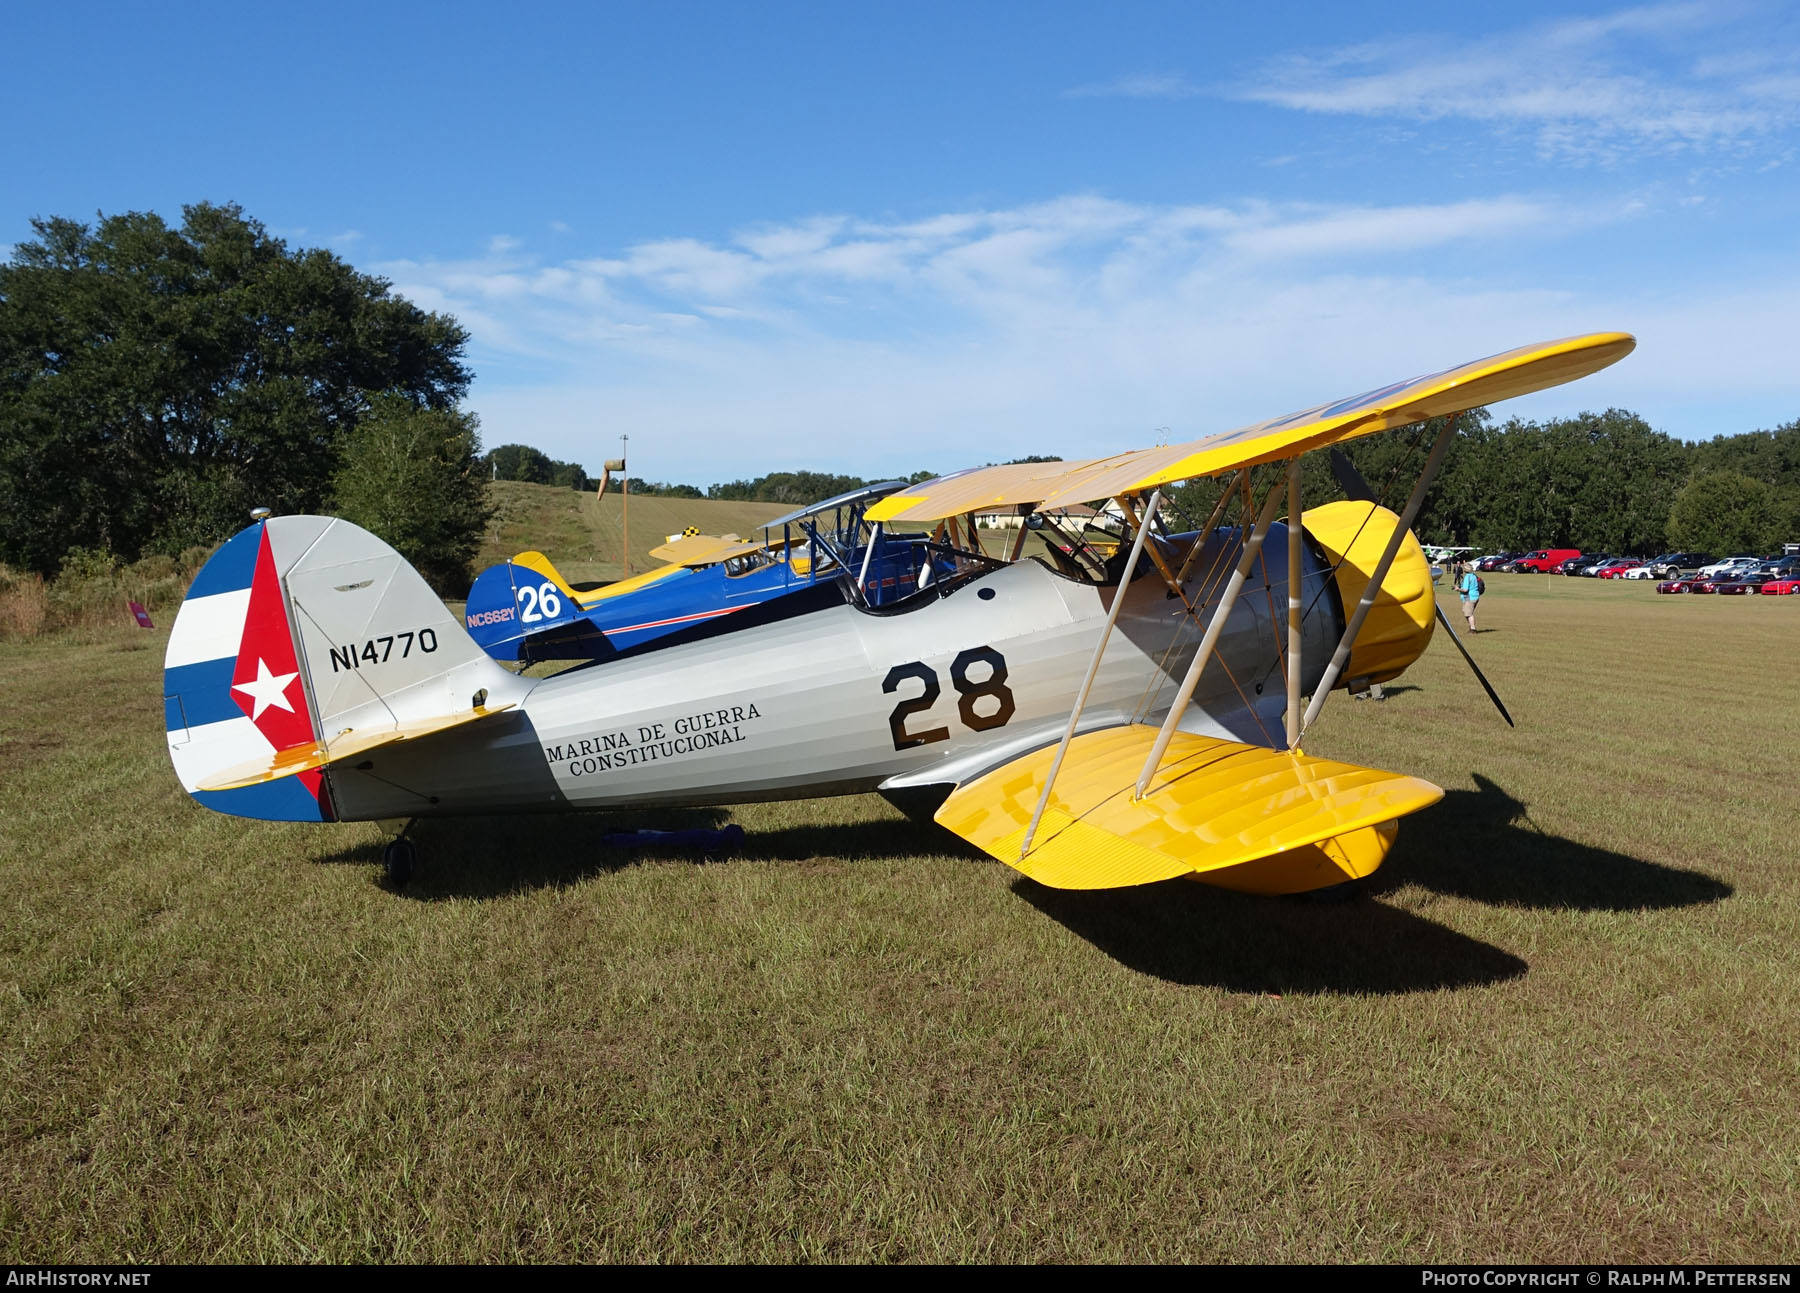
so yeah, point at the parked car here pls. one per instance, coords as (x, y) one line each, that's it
(1494, 562)
(1781, 587)
(1573, 564)
(1784, 567)
(1542, 561)
(1616, 569)
(1592, 566)
(1665, 566)
(1750, 581)
(1730, 563)
(1676, 562)
(1680, 584)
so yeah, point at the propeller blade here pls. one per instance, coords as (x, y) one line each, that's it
(1479, 676)
(1351, 481)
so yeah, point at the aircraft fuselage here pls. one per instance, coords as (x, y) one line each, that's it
(842, 699)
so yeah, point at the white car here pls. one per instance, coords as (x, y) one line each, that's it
(1655, 567)
(1728, 565)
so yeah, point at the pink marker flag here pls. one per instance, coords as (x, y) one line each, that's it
(143, 616)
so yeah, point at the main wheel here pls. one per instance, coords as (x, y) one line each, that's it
(397, 862)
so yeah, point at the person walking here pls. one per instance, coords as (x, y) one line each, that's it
(1469, 587)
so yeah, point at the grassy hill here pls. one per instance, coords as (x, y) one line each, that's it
(585, 537)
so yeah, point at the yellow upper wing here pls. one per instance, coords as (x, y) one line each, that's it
(702, 549)
(1485, 381)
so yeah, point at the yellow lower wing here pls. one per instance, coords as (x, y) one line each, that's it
(1240, 816)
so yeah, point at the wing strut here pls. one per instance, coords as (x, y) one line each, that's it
(1342, 655)
(1214, 628)
(1296, 625)
(862, 579)
(1161, 562)
(1357, 488)
(1112, 618)
(1211, 522)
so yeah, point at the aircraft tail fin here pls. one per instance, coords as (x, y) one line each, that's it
(302, 640)
(1239, 816)
(524, 610)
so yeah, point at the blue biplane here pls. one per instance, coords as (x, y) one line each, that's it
(523, 610)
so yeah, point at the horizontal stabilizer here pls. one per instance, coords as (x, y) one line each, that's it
(346, 744)
(1241, 816)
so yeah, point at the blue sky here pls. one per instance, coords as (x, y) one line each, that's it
(882, 238)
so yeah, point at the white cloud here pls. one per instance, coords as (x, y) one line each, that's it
(1138, 85)
(1368, 229)
(1660, 77)
(1075, 325)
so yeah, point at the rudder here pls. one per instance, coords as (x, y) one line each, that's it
(300, 631)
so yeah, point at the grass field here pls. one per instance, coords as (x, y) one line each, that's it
(586, 536)
(1560, 1024)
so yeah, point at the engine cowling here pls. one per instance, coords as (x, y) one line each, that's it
(1398, 627)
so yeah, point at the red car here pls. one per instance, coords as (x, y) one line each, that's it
(1780, 586)
(1613, 569)
(1748, 583)
(1683, 584)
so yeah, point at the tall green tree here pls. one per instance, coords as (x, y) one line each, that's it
(415, 477)
(1773, 457)
(520, 462)
(1723, 513)
(157, 382)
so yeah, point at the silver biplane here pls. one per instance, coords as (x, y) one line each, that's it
(1092, 715)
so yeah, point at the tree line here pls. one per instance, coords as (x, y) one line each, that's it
(1600, 482)
(797, 488)
(522, 462)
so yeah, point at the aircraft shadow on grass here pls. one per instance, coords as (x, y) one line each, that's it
(491, 857)
(1477, 844)
(1187, 933)
(1481, 844)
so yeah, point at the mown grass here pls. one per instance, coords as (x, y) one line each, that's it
(1558, 1025)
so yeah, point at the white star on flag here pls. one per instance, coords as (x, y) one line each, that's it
(268, 689)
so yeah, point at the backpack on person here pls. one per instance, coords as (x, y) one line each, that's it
(1480, 586)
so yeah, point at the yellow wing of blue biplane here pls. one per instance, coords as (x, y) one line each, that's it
(1485, 381)
(540, 564)
(703, 549)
